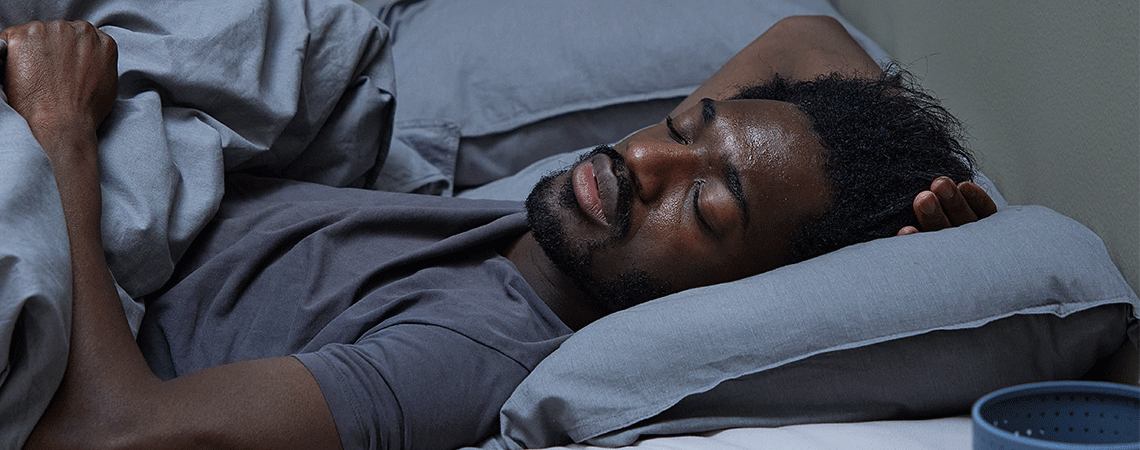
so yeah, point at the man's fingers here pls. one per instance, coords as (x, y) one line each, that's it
(954, 204)
(60, 72)
(930, 212)
(979, 201)
(947, 205)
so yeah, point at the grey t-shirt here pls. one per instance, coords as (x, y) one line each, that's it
(413, 325)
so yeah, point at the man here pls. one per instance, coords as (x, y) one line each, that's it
(415, 341)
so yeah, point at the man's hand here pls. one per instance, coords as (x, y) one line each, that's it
(948, 205)
(60, 76)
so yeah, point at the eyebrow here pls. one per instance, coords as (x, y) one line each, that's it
(708, 110)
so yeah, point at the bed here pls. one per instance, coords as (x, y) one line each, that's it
(477, 99)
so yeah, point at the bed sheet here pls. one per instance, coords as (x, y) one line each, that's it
(192, 105)
(949, 433)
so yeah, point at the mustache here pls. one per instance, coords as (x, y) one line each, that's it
(623, 222)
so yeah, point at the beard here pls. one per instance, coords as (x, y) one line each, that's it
(549, 205)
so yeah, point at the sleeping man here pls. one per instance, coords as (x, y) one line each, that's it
(307, 316)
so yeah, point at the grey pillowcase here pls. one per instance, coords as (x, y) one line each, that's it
(900, 327)
(904, 327)
(486, 87)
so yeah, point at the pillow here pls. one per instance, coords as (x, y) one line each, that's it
(905, 327)
(489, 86)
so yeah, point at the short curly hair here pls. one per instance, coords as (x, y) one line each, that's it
(885, 141)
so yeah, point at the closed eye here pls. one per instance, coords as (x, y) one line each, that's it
(673, 133)
(697, 207)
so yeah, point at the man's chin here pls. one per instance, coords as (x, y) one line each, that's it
(547, 217)
(551, 210)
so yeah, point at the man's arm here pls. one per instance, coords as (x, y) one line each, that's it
(805, 47)
(797, 48)
(61, 77)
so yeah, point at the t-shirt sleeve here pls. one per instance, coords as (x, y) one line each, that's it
(414, 386)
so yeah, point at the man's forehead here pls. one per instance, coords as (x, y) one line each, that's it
(782, 166)
(769, 134)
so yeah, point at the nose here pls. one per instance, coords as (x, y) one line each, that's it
(658, 166)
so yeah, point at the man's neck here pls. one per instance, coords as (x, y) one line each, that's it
(558, 291)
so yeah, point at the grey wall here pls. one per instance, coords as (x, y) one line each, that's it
(1049, 90)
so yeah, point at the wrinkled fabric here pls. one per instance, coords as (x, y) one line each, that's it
(292, 88)
(412, 324)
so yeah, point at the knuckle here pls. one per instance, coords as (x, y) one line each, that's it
(83, 27)
(57, 26)
(35, 28)
(108, 41)
(14, 40)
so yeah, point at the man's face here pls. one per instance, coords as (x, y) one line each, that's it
(711, 195)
